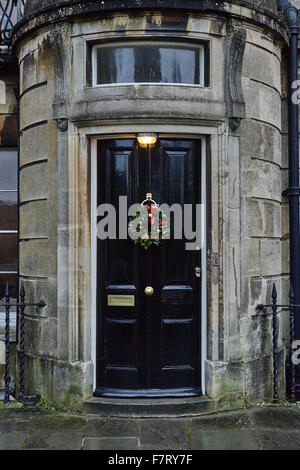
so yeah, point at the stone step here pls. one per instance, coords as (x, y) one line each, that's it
(148, 407)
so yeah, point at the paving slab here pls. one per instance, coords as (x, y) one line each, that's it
(97, 427)
(276, 418)
(10, 425)
(231, 420)
(267, 428)
(278, 440)
(110, 443)
(57, 423)
(169, 447)
(223, 440)
(12, 440)
(54, 441)
(163, 432)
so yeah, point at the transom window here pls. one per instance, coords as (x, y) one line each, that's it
(150, 62)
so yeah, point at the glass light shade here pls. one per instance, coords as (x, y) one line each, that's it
(147, 139)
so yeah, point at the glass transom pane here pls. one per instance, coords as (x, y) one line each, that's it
(148, 63)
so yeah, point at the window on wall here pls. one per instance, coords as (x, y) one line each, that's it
(149, 62)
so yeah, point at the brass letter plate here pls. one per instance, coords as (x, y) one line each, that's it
(121, 300)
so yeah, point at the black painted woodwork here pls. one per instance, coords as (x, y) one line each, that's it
(152, 349)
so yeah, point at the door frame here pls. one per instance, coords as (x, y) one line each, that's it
(93, 208)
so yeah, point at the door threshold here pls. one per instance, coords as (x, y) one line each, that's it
(149, 407)
(147, 393)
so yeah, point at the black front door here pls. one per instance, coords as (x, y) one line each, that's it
(151, 346)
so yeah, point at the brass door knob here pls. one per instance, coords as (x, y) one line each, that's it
(149, 291)
(197, 271)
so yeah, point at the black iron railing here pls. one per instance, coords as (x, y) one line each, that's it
(291, 308)
(21, 305)
(10, 12)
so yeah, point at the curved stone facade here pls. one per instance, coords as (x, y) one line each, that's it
(266, 5)
(240, 113)
(39, 12)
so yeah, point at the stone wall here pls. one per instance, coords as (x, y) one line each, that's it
(44, 213)
(262, 242)
(257, 251)
(240, 115)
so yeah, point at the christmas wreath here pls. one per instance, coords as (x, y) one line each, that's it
(149, 226)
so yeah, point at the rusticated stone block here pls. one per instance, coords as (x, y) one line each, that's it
(46, 330)
(38, 143)
(259, 141)
(262, 66)
(37, 259)
(270, 257)
(36, 105)
(262, 103)
(35, 219)
(34, 182)
(264, 181)
(262, 218)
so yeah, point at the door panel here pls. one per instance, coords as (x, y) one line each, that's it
(153, 347)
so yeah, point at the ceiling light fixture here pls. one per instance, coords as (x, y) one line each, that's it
(146, 139)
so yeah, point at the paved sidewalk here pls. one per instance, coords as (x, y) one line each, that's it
(253, 429)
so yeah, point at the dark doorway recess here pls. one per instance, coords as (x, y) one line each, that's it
(151, 348)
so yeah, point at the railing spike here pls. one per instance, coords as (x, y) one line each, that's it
(274, 292)
(26, 400)
(292, 339)
(291, 294)
(292, 306)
